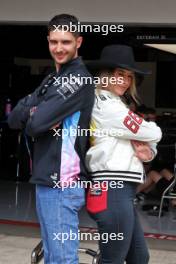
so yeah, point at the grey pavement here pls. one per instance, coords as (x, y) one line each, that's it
(17, 250)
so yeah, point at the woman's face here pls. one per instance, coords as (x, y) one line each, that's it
(125, 77)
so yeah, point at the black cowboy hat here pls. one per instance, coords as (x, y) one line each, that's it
(115, 56)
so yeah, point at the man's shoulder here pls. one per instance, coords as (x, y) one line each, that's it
(81, 70)
(81, 77)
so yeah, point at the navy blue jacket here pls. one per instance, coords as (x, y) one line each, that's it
(56, 155)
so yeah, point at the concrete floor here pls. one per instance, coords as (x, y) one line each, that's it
(17, 250)
(17, 243)
(17, 203)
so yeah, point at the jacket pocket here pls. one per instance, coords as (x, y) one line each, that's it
(96, 200)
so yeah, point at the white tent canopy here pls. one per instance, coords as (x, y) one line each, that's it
(165, 47)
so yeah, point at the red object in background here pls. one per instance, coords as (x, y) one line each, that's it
(8, 107)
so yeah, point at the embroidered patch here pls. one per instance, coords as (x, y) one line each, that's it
(95, 191)
(67, 90)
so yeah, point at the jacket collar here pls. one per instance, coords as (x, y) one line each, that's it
(107, 93)
(71, 64)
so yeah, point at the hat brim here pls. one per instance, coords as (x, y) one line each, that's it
(98, 65)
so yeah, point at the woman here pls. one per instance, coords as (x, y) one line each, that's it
(121, 142)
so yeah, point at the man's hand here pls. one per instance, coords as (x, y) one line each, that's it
(142, 150)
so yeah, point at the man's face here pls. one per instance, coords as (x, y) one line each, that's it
(63, 46)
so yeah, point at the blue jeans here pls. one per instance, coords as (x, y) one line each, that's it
(57, 211)
(120, 217)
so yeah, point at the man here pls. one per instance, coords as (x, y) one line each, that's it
(53, 108)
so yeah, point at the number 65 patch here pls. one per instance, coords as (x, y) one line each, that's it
(132, 122)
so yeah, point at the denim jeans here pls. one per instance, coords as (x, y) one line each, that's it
(120, 217)
(57, 211)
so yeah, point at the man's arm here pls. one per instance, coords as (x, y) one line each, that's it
(63, 103)
(20, 113)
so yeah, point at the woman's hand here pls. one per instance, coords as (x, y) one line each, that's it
(142, 150)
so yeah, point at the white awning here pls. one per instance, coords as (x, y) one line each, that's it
(165, 47)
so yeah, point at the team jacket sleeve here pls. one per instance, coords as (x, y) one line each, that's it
(153, 150)
(20, 114)
(126, 124)
(153, 147)
(52, 111)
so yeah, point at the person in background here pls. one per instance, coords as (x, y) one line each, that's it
(148, 113)
(159, 173)
(156, 179)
